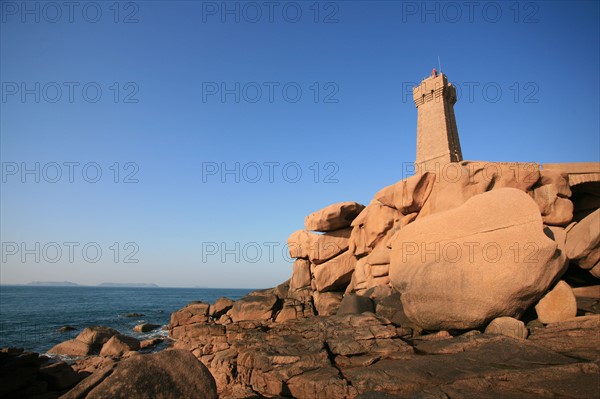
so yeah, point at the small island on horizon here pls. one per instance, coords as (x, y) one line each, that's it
(72, 284)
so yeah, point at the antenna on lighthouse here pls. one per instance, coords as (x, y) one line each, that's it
(439, 64)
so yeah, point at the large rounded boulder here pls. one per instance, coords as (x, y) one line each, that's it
(487, 258)
(171, 374)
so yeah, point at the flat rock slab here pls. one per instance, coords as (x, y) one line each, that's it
(579, 380)
(492, 359)
(578, 337)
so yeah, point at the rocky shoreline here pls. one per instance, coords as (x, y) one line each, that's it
(367, 354)
(384, 302)
(348, 355)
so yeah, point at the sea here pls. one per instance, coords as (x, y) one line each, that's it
(30, 316)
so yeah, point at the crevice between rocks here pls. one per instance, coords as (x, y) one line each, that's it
(331, 357)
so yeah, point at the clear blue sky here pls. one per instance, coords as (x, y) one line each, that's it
(170, 126)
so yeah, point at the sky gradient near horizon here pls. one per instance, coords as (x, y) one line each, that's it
(180, 143)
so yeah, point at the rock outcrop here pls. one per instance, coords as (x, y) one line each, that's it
(220, 307)
(328, 245)
(473, 247)
(195, 312)
(333, 217)
(327, 303)
(371, 226)
(365, 355)
(552, 193)
(27, 375)
(145, 327)
(457, 182)
(408, 195)
(387, 224)
(335, 274)
(260, 305)
(88, 342)
(292, 358)
(583, 243)
(118, 345)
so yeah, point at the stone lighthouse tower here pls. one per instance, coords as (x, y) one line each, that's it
(437, 135)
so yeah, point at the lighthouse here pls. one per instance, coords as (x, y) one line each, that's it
(437, 134)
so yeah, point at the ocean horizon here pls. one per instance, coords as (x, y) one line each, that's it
(31, 315)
